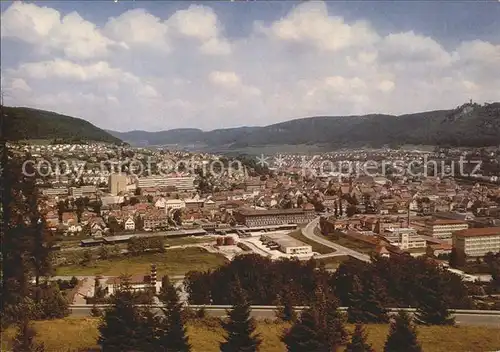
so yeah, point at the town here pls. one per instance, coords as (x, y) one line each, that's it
(250, 176)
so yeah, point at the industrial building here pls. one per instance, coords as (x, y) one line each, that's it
(404, 238)
(253, 217)
(443, 229)
(478, 241)
(286, 244)
(117, 183)
(181, 183)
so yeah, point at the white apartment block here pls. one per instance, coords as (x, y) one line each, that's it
(443, 229)
(55, 191)
(182, 183)
(405, 238)
(175, 204)
(478, 241)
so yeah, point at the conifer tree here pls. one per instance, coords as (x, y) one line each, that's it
(319, 328)
(240, 326)
(286, 311)
(333, 325)
(433, 307)
(304, 335)
(122, 327)
(373, 302)
(24, 237)
(354, 311)
(366, 301)
(95, 312)
(402, 335)
(358, 341)
(172, 333)
(24, 339)
(51, 302)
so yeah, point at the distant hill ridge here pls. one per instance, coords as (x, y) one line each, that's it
(467, 125)
(22, 123)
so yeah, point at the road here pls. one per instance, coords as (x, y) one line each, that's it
(308, 231)
(477, 318)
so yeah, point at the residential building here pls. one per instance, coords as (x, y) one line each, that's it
(129, 224)
(477, 242)
(175, 204)
(444, 228)
(117, 183)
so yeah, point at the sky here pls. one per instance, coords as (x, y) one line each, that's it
(137, 65)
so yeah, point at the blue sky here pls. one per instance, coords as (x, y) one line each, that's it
(160, 65)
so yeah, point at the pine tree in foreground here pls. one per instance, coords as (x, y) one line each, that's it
(240, 327)
(433, 308)
(122, 327)
(172, 332)
(319, 328)
(286, 311)
(24, 340)
(358, 341)
(332, 320)
(354, 311)
(402, 335)
(304, 335)
(95, 312)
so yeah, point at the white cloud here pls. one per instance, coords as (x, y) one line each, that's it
(386, 86)
(182, 69)
(200, 23)
(138, 27)
(44, 28)
(310, 23)
(230, 79)
(20, 84)
(64, 69)
(409, 48)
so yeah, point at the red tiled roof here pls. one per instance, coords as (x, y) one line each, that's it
(477, 232)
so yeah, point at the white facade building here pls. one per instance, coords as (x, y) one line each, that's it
(478, 241)
(182, 183)
(443, 229)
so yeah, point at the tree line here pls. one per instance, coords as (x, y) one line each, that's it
(26, 255)
(401, 281)
(124, 326)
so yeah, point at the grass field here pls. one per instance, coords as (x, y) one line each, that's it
(189, 240)
(80, 334)
(172, 262)
(333, 262)
(316, 247)
(347, 242)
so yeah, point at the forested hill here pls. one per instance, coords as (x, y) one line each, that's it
(467, 125)
(25, 123)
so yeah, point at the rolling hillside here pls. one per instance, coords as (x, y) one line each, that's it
(467, 125)
(26, 123)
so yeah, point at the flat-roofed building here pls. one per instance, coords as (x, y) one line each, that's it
(117, 183)
(287, 244)
(477, 242)
(404, 238)
(444, 228)
(253, 217)
(59, 191)
(181, 183)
